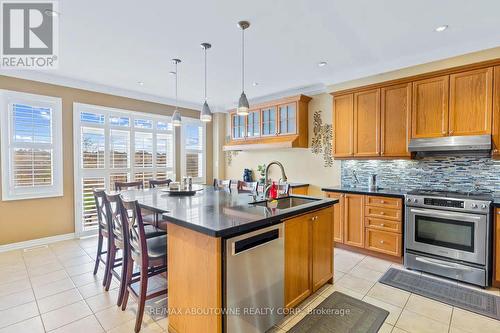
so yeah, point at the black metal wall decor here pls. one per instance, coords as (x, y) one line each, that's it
(322, 139)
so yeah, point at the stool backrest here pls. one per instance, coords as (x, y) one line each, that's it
(153, 183)
(113, 207)
(100, 206)
(132, 218)
(121, 186)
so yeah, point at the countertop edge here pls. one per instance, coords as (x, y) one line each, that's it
(362, 191)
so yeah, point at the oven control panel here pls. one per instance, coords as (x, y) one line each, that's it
(453, 204)
(444, 202)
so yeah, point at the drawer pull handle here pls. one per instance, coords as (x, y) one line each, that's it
(382, 213)
(381, 242)
(382, 225)
(382, 201)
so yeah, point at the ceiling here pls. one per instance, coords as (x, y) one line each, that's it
(112, 45)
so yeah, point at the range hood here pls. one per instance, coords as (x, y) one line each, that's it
(451, 144)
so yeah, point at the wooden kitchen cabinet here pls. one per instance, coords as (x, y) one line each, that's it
(395, 128)
(471, 102)
(338, 217)
(367, 123)
(430, 107)
(297, 260)
(308, 255)
(354, 220)
(322, 248)
(496, 249)
(496, 113)
(276, 124)
(343, 115)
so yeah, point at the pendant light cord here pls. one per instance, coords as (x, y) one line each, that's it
(243, 60)
(176, 102)
(205, 74)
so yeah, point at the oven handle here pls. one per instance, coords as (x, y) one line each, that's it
(450, 215)
(442, 264)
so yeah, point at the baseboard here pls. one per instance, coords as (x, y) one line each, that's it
(35, 242)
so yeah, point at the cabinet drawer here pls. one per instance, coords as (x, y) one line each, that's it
(385, 225)
(383, 213)
(383, 241)
(385, 202)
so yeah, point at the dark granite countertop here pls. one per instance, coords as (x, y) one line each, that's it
(390, 192)
(218, 213)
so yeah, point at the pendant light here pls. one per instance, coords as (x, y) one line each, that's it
(243, 105)
(206, 114)
(176, 117)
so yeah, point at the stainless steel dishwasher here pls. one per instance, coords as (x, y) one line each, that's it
(254, 280)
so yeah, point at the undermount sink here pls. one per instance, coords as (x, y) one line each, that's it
(285, 202)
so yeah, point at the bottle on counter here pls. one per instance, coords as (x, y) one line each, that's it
(273, 191)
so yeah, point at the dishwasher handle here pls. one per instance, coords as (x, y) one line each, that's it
(252, 242)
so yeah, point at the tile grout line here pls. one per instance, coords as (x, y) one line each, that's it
(34, 296)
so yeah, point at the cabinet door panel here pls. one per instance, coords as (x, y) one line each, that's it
(338, 217)
(343, 123)
(496, 249)
(367, 123)
(471, 102)
(322, 252)
(288, 119)
(354, 220)
(430, 107)
(496, 113)
(395, 120)
(383, 241)
(297, 260)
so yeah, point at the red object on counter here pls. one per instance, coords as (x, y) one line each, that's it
(273, 192)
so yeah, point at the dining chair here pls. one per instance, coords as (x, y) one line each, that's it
(247, 186)
(103, 232)
(122, 186)
(154, 183)
(117, 243)
(222, 183)
(149, 254)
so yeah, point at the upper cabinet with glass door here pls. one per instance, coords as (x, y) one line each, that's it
(277, 124)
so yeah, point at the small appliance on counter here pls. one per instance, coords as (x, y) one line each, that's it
(372, 182)
(247, 175)
(449, 234)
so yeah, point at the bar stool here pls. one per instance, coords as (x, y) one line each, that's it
(149, 254)
(117, 242)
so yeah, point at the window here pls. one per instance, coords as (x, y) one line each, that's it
(31, 135)
(114, 145)
(193, 150)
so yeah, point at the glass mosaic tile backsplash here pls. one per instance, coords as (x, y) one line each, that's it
(448, 172)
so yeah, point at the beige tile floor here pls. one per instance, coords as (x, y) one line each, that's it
(357, 276)
(52, 289)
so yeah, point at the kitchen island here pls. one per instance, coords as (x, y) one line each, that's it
(200, 229)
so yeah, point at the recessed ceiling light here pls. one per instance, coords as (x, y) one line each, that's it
(140, 83)
(322, 64)
(50, 12)
(441, 28)
(255, 84)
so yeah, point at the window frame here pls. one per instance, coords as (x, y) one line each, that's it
(203, 150)
(7, 99)
(107, 172)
